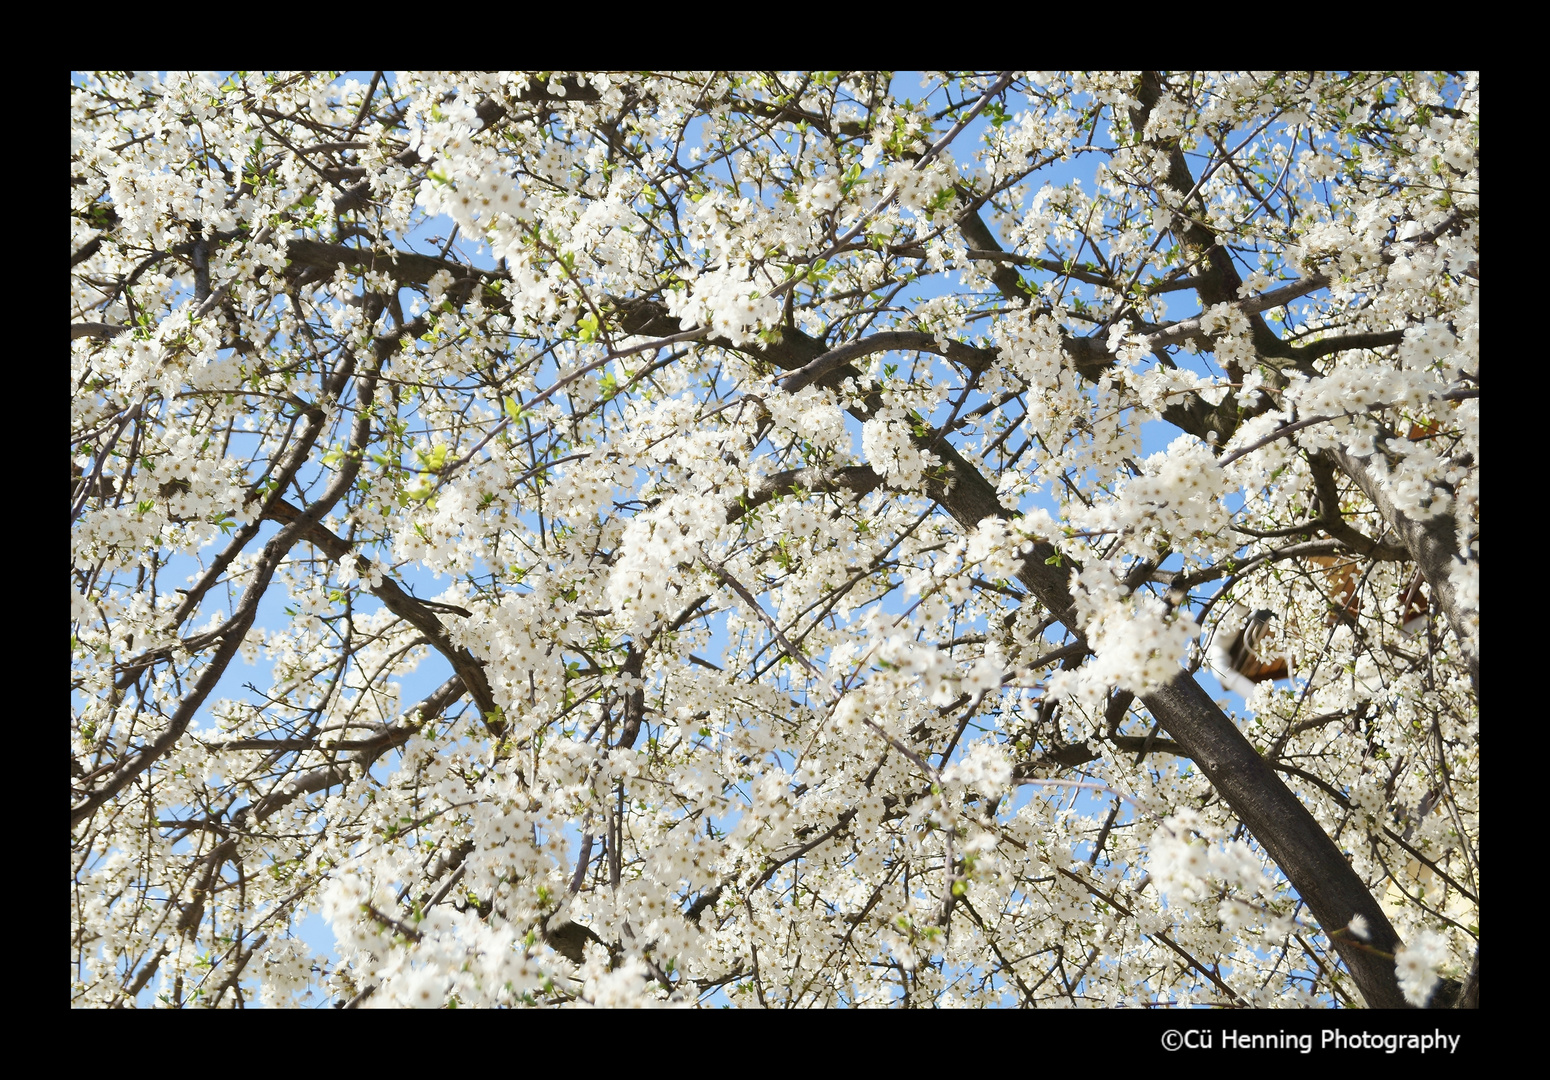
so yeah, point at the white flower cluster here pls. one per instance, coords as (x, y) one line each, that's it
(814, 415)
(1224, 318)
(1030, 347)
(476, 193)
(649, 554)
(1178, 497)
(457, 955)
(1416, 964)
(1427, 345)
(942, 678)
(1228, 327)
(525, 671)
(1190, 859)
(1137, 642)
(729, 302)
(1129, 348)
(1354, 387)
(536, 297)
(1158, 387)
(984, 770)
(887, 443)
(920, 188)
(997, 546)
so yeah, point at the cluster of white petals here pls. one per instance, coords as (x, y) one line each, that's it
(1138, 644)
(728, 302)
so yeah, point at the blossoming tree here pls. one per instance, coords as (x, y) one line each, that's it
(760, 537)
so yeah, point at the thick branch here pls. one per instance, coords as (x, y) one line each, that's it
(975, 359)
